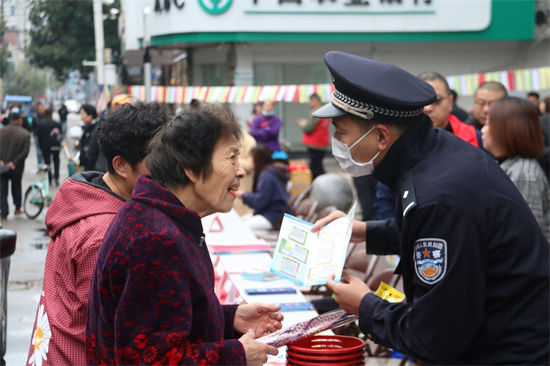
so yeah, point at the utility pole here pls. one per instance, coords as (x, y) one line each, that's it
(99, 41)
(146, 55)
(3, 55)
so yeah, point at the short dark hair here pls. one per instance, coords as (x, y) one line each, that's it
(315, 96)
(14, 116)
(533, 94)
(493, 86)
(127, 130)
(454, 94)
(516, 128)
(195, 103)
(261, 155)
(188, 142)
(432, 75)
(89, 109)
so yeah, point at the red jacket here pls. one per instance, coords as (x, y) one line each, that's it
(465, 131)
(77, 221)
(319, 137)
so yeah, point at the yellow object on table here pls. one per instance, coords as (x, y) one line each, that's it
(389, 293)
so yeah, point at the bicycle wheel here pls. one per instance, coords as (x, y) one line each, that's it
(34, 201)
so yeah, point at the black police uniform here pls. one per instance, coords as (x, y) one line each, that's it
(474, 262)
(489, 302)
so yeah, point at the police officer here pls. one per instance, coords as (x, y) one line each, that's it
(474, 262)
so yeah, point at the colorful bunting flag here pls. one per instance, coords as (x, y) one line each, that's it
(523, 80)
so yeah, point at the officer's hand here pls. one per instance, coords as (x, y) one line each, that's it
(349, 292)
(358, 230)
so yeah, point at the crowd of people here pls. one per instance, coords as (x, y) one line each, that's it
(463, 198)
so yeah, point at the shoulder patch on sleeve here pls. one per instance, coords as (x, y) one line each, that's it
(430, 259)
(408, 195)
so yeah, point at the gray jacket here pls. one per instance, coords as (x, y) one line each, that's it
(530, 180)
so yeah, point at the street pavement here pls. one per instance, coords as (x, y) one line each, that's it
(27, 263)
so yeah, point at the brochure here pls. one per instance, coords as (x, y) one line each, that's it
(307, 328)
(308, 258)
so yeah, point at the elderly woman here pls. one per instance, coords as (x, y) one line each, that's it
(152, 297)
(513, 135)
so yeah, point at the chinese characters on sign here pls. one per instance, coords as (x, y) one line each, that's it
(350, 2)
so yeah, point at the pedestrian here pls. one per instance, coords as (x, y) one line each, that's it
(534, 98)
(152, 298)
(49, 140)
(77, 220)
(269, 195)
(266, 126)
(256, 111)
(473, 260)
(513, 135)
(88, 115)
(63, 112)
(94, 152)
(440, 111)
(40, 114)
(544, 159)
(14, 148)
(315, 136)
(486, 93)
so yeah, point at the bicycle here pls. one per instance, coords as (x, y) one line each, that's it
(38, 194)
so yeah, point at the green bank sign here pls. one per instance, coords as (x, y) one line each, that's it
(215, 7)
(191, 21)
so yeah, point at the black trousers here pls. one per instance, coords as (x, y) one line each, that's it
(15, 176)
(316, 161)
(49, 153)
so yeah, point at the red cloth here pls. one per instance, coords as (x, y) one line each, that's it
(152, 295)
(463, 130)
(77, 221)
(319, 137)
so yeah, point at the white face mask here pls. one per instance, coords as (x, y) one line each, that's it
(342, 154)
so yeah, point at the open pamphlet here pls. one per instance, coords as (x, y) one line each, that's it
(307, 328)
(308, 258)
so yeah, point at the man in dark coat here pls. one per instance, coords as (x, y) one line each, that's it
(14, 148)
(49, 139)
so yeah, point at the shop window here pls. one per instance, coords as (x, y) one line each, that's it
(215, 75)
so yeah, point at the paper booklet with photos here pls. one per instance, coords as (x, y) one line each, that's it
(308, 258)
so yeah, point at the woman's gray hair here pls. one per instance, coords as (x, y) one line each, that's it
(188, 142)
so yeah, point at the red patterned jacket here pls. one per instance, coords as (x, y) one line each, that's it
(77, 221)
(152, 297)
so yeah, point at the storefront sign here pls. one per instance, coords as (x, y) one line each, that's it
(186, 16)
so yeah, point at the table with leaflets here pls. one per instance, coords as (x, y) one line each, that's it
(241, 264)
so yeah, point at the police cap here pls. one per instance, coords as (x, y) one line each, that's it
(374, 90)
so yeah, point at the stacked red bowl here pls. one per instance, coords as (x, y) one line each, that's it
(326, 350)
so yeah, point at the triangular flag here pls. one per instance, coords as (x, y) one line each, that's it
(216, 226)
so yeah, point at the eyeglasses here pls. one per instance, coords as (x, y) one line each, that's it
(439, 99)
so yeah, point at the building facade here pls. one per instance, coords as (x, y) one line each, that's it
(280, 42)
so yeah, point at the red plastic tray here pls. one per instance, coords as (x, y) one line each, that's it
(328, 345)
(294, 361)
(320, 358)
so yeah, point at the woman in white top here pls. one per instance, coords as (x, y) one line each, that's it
(513, 134)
